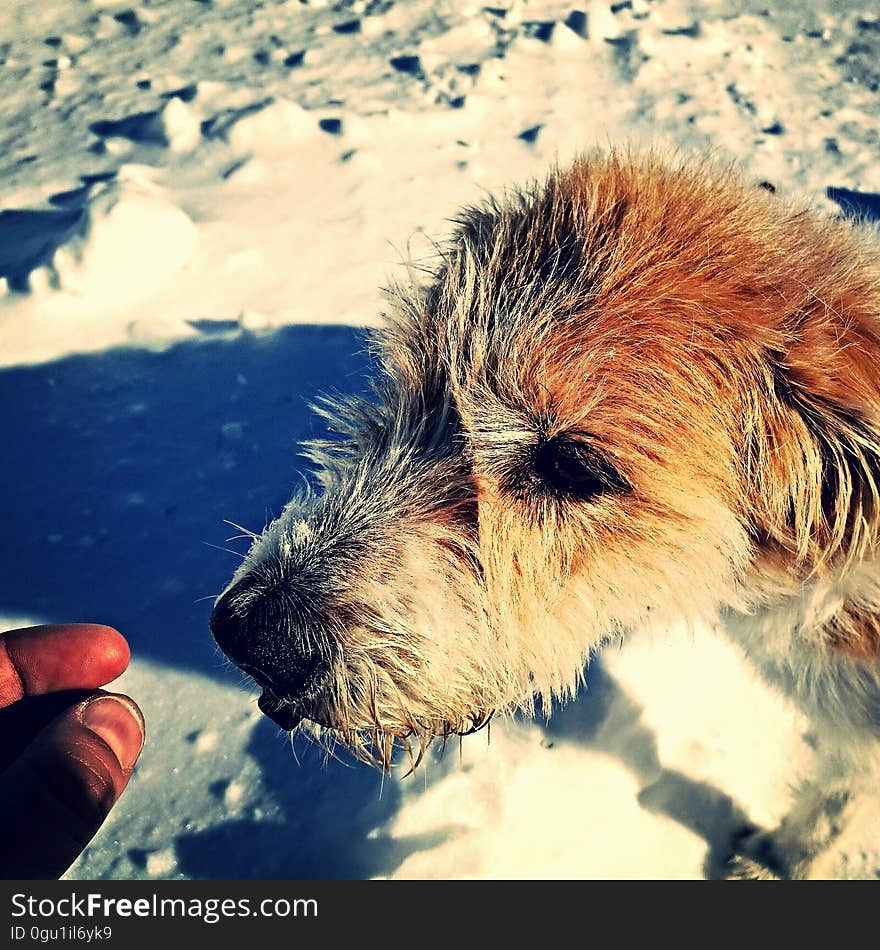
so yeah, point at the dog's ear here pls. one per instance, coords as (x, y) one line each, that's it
(812, 459)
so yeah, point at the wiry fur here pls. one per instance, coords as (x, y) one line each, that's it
(711, 352)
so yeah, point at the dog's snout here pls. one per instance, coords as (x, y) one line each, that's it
(271, 635)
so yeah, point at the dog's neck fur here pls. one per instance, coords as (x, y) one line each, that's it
(839, 610)
(819, 641)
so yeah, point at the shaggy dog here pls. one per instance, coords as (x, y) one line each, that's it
(631, 394)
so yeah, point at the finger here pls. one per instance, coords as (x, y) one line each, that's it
(56, 796)
(37, 660)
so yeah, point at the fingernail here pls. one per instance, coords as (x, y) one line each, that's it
(119, 723)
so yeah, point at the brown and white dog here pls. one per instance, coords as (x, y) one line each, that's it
(629, 395)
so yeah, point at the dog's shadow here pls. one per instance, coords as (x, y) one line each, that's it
(343, 834)
(609, 721)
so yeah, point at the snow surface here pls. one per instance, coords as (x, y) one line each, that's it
(201, 201)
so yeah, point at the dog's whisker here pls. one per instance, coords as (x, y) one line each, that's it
(225, 550)
(245, 532)
(200, 600)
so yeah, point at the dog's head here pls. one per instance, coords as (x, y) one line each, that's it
(627, 394)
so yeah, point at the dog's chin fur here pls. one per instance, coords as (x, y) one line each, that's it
(634, 393)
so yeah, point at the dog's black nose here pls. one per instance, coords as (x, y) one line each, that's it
(275, 637)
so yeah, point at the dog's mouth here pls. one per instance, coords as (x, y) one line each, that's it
(287, 714)
(277, 704)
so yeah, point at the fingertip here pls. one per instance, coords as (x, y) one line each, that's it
(106, 645)
(114, 648)
(62, 656)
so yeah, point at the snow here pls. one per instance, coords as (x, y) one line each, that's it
(201, 203)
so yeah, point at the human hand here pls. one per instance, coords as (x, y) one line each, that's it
(67, 749)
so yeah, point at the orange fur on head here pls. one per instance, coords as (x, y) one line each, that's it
(729, 340)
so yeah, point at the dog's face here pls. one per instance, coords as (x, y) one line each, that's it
(581, 425)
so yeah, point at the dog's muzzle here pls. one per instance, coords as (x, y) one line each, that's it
(278, 639)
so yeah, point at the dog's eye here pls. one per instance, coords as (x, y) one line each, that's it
(574, 468)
